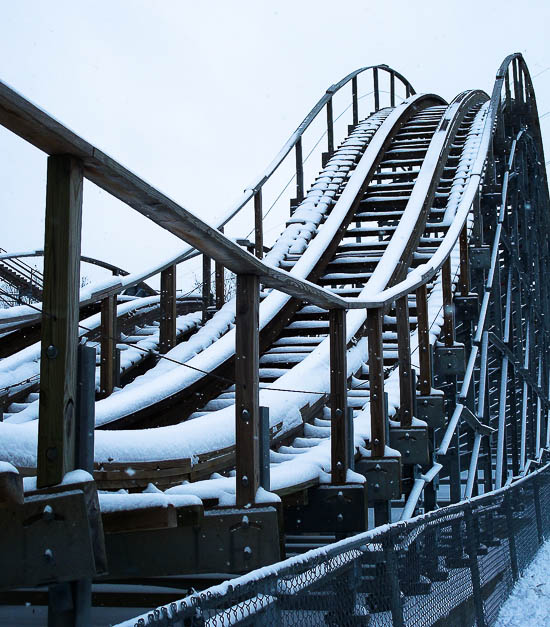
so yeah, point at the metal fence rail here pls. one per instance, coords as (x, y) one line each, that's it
(453, 566)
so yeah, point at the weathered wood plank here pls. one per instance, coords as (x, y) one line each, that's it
(58, 365)
(247, 401)
(406, 391)
(167, 331)
(339, 425)
(220, 282)
(206, 285)
(108, 347)
(425, 355)
(375, 318)
(258, 225)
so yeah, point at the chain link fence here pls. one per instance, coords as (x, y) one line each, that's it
(453, 566)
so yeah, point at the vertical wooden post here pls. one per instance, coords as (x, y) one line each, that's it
(448, 310)
(425, 356)
(330, 129)
(392, 89)
(247, 384)
(167, 331)
(220, 281)
(355, 101)
(258, 225)
(375, 318)
(376, 89)
(464, 283)
(108, 346)
(339, 423)
(404, 355)
(58, 365)
(299, 171)
(206, 285)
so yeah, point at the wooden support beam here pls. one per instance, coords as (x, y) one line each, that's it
(448, 309)
(406, 390)
(375, 319)
(464, 284)
(108, 360)
(339, 423)
(247, 385)
(167, 310)
(299, 171)
(392, 89)
(58, 364)
(376, 89)
(258, 225)
(219, 278)
(330, 128)
(425, 355)
(206, 285)
(355, 101)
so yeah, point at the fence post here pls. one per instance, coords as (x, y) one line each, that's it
(538, 511)
(511, 535)
(472, 548)
(396, 604)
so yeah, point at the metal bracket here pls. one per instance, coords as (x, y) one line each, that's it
(330, 508)
(480, 257)
(412, 443)
(431, 409)
(383, 477)
(449, 360)
(48, 539)
(466, 308)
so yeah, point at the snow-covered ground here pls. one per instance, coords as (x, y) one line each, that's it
(529, 603)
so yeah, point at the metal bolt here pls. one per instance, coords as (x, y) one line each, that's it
(338, 413)
(247, 552)
(245, 415)
(377, 486)
(48, 555)
(378, 467)
(340, 518)
(51, 453)
(245, 522)
(51, 352)
(47, 513)
(244, 480)
(339, 465)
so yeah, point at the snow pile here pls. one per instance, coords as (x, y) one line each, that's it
(529, 603)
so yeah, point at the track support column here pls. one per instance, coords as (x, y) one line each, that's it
(404, 354)
(108, 346)
(247, 384)
(167, 309)
(339, 423)
(58, 365)
(375, 318)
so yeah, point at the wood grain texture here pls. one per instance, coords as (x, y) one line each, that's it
(108, 344)
(406, 391)
(424, 349)
(375, 318)
(247, 405)
(167, 331)
(339, 425)
(58, 364)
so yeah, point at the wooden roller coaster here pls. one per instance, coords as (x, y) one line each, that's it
(387, 355)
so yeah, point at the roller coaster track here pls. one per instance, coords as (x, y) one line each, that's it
(393, 361)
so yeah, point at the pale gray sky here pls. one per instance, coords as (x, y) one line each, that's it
(197, 97)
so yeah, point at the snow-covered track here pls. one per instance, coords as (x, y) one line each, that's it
(388, 332)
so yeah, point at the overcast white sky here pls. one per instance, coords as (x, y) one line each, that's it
(197, 97)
